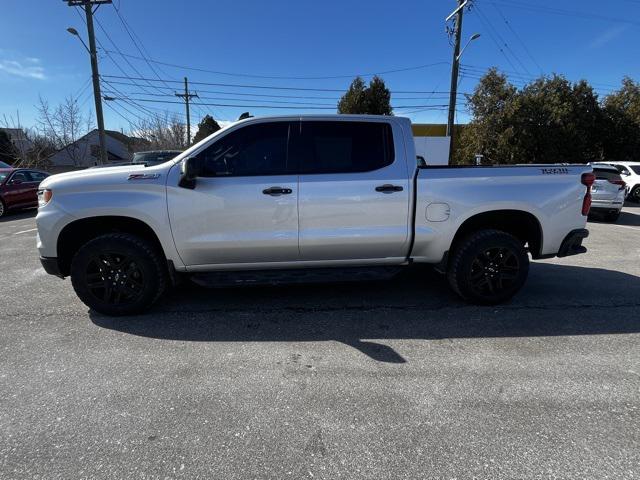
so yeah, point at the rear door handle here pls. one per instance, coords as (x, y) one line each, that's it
(388, 188)
(276, 191)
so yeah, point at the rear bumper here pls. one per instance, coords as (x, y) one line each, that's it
(572, 243)
(605, 209)
(51, 266)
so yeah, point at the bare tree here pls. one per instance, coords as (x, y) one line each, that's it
(63, 126)
(163, 131)
(32, 149)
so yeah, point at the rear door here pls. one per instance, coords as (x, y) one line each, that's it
(244, 208)
(354, 191)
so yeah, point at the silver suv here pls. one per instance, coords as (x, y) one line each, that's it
(607, 192)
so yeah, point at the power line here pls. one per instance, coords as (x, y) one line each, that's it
(261, 106)
(268, 87)
(563, 12)
(278, 77)
(517, 35)
(500, 40)
(125, 59)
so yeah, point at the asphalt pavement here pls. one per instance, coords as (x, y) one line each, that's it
(396, 379)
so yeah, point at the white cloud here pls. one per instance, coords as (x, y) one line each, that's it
(608, 35)
(28, 68)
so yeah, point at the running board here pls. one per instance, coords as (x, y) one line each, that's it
(293, 276)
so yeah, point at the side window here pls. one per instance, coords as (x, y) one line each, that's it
(345, 147)
(36, 176)
(20, 176)
(259, 149)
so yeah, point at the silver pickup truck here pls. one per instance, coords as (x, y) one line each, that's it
(305, 198)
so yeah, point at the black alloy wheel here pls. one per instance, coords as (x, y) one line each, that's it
(119, 274)
(114, 278)
(494, 270)
(488, 267)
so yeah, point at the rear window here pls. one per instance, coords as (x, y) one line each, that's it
(3, 175)
(345, 147)
(606, 174)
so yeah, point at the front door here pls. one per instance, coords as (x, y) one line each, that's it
(244, 207)
(18, 189)
(354, 191)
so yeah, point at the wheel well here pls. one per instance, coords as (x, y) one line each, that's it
(77, 233)
(520, 224)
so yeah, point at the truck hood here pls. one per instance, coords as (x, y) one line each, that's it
(106, 176)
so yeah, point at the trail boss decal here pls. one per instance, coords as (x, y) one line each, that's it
(554, 171)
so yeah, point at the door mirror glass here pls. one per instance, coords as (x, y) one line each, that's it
(189, 171)
(16, 181)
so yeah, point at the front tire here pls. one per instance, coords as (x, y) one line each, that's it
(634, 195)
(488, 267)
(3, 209)
(118, 274)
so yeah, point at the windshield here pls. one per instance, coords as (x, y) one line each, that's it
(154, 158)
(4, 165)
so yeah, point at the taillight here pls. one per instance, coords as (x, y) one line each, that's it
(619, 182)
(587, 180)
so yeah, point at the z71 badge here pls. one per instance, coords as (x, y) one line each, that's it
(554, 171)
(144, 176)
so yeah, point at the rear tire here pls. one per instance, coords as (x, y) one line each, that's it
(488, 267)
(118, 274)
(3, 209)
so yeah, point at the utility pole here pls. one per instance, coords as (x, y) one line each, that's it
(88, 10)
(187, 96)
(455, 67)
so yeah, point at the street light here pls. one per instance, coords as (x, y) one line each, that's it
(473, 37)
(95, 75)
(74, 32)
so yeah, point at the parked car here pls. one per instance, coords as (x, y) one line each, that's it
(19, 188)
(154, 157)
(608, 192)
(306, 198)
(630, 172)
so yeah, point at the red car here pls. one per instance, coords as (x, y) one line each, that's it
(19, 188)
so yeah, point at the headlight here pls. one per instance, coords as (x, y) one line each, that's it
(44, 196)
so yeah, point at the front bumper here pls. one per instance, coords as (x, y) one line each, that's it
(51, 266)
(572, 243)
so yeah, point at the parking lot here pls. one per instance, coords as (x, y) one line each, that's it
(377, 380)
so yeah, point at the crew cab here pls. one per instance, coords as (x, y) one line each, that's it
(293, 198)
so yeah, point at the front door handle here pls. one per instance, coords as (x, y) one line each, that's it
(388, 188)
(277, 191)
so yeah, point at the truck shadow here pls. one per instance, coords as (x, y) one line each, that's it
(417, 305)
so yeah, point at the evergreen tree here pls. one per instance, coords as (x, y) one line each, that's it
(206, 127)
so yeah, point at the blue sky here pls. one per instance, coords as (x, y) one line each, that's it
(286, 38)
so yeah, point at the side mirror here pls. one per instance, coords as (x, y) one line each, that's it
(189, 171)
(17, 181)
